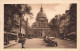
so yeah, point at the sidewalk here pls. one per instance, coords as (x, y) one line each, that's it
(12, 42)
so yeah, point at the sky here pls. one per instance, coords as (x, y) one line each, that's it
(50, 9)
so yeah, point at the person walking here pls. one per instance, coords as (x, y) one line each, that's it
(43, 35)
(23, 41)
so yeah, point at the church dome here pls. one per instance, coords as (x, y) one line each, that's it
(41, 14)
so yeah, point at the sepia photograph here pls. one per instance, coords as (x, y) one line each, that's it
(40, 26)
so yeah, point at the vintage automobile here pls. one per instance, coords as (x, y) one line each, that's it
(72, 36)
(30, 37)
(50, 41)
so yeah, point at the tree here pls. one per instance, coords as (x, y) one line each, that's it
(54, 26)
(10, 10)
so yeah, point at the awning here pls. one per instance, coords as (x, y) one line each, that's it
(72, 33)
(13, 33)
(6, 32)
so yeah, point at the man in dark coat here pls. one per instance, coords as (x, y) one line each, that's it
(23, 41)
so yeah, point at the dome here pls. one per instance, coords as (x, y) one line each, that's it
(41, 14)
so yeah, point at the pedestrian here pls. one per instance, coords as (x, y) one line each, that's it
(23, 41)
(43, 34)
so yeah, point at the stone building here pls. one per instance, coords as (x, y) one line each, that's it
(41, 25)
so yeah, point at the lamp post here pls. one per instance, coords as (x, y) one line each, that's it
(21, 35)
(27, 27)
(21, 15)
(20, 26)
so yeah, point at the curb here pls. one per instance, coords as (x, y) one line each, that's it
(9, 45)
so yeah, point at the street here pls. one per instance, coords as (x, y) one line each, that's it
(39, 43)
(26, 21)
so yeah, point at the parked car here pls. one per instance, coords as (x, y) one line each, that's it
(46, 40)
(50, 41)
(72, 36)
(30, 37)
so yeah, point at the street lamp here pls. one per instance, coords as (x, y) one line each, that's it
(21, 15)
